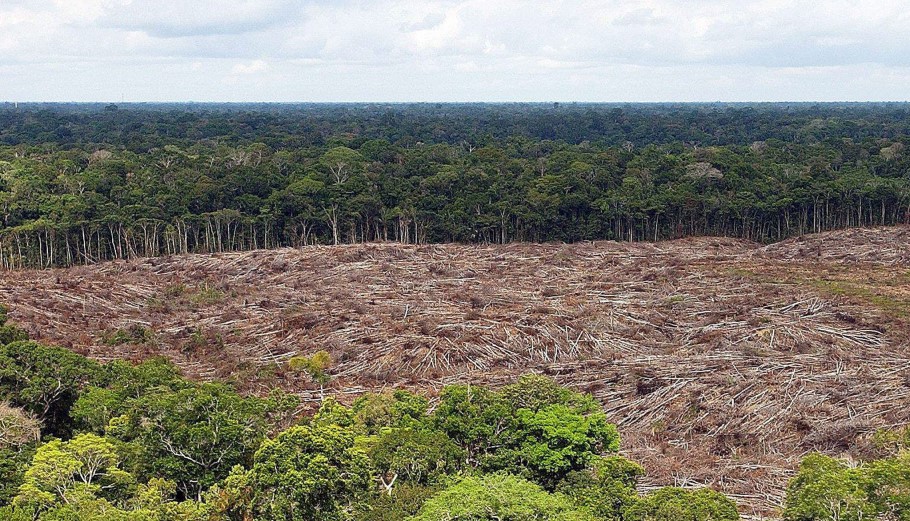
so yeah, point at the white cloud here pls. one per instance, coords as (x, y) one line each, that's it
(181, 18)
(456, 49)
(250, 68)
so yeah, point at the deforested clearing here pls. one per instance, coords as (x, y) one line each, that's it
(721, 361)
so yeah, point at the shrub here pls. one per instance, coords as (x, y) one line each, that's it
(414, 455)
(676, 504)
(134, 334)
(45, 381)
(9, 333)
(500, 497)
(406, 500)
(826, 488)
(307, 473)
(607, 488)
(207, 296)
(315, 366)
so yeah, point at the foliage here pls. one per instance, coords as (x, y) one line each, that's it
(548, 443)
(825, 488)
(416, 455)
(191, 436)
(140, 442)
(534, 428)
(206, 296)
(471, 416)
(118, 386)
(333, 413)
(891, 442)
(309, 472)
(534, 392)
(676, 504)
(399, 408)
(9, 332)
(888, 486)
(316, 366)
(44, 381)
(499, 497)
(608, 488)
(406, 501)
(80, 184)
(13, 464)
(61, 471)
(135, 334)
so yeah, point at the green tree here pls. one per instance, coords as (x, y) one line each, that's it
(825, 488)
(309, 472)
(399, 408)
(888, 486)
(535, 392)
(545, 444)
(470, 416)
(87, 464)
(120, 384)
(676, 504)
(192, 436)
(342, 162)
(315, 366)
(499, 497)
(414, 455)
(406, 501)
(45, 381)
(608, 488)
(9, 332)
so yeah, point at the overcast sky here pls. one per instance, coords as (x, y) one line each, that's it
(454, 50)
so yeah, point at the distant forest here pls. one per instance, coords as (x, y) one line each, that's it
(81, 183)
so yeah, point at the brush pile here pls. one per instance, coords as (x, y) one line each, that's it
(721, 361)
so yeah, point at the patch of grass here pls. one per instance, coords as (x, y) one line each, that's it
(267, 371)
(740, 272)
(175, 290)
(177, 297)
(203, 340)
(158, 305)
(830, 281)
(133, 335)
(888, 303)
(10, 333)
(207, 296)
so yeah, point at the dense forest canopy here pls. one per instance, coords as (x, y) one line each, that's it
(81, 183)
(145, 126)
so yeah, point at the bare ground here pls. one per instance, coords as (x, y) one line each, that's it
(722, 361)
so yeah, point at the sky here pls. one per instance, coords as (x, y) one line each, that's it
(454, 50)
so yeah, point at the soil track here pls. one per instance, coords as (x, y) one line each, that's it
(722, 361)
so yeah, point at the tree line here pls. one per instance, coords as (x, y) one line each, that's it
(61, 206)
(83, 441)
(140, 127)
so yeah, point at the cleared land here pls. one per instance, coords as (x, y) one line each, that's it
(722, 361)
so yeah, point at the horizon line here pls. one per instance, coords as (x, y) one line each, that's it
(447, 102)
